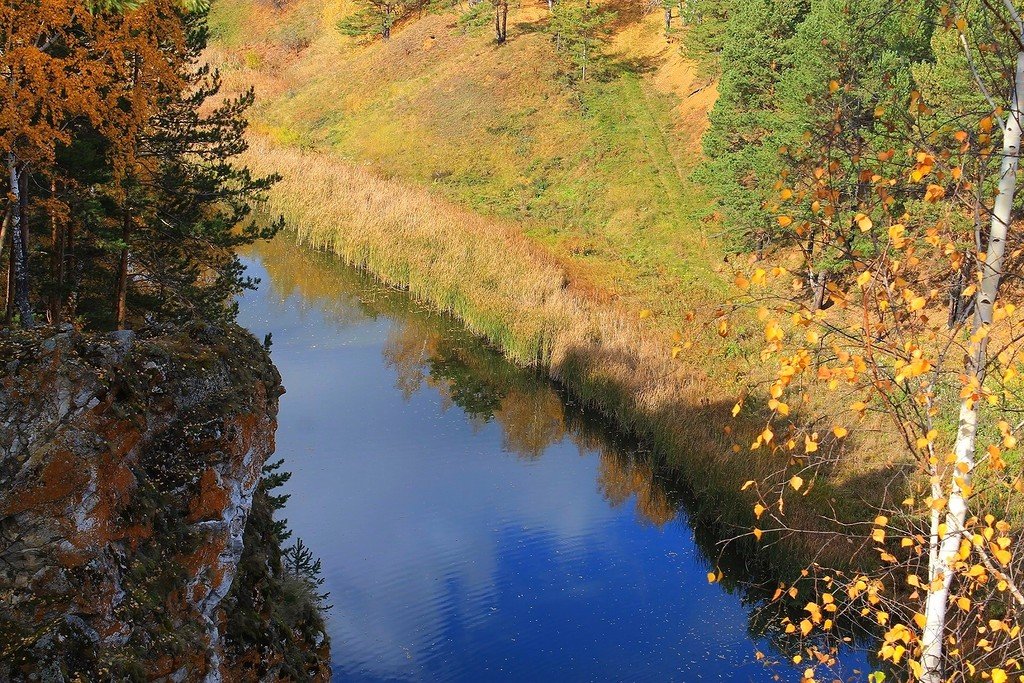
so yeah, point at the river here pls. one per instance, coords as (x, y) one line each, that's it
(474, 525)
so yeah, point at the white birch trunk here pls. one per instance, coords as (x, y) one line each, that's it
(18, 256)
(944, 547)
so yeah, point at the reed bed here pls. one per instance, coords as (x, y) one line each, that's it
(507, 289)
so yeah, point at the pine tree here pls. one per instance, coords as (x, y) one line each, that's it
(199, 203)
(376, 18)
(741, 145)
(143, 200)
(580, 30)
(846, 93)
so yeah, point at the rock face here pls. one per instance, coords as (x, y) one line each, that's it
(128, 465)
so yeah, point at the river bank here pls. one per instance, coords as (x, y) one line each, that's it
(673, 389)
(476, 523)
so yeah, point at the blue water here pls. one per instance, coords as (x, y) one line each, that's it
(472, 526)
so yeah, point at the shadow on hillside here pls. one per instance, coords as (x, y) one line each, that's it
(635, 66)
(626, 13)
(689, 440)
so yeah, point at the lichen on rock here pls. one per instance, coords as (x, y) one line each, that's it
(128, 466)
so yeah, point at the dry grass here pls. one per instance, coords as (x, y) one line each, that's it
(600, 178)
(507, 289)
(469, 174)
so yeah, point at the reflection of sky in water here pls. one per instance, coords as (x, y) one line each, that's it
(448, 558)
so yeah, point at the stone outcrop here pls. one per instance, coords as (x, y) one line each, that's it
(128, 465)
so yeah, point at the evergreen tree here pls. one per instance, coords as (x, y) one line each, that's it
(144, 206)
(580, 30)
(705, 36)
(198, 202)
(741, 145)
(841, 103)
(374, 17)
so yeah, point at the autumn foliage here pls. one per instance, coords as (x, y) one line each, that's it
(891, 301)
(121, 198)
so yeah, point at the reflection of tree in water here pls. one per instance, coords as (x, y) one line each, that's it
(531, 421)
(428, 349)
(531, 413)
(420, 353)
(404, 352)
(622, 478)
(311, 278)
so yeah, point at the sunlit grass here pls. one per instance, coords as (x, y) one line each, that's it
(510, 291)
(543, 217)
(598, 176)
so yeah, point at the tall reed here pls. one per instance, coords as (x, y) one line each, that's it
(507, 289)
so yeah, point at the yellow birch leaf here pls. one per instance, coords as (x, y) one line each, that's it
(934, 193)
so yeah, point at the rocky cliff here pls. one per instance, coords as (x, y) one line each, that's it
(129, 463)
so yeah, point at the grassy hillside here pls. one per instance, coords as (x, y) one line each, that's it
(558, 221)
(599, 174)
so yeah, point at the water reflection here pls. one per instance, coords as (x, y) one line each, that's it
(474, 525)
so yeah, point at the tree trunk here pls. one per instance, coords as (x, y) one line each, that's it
(56, 262)
(819, 283)
(3, 231)
(70, 273)
(19, 241)
(122, 273)
(583, 76)
(943, 551)
(9, 278)
(501, 21)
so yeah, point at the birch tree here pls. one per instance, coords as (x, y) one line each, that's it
(906, 211)
(948, 529)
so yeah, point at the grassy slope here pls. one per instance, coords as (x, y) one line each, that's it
(601, 178)
(392, 151)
